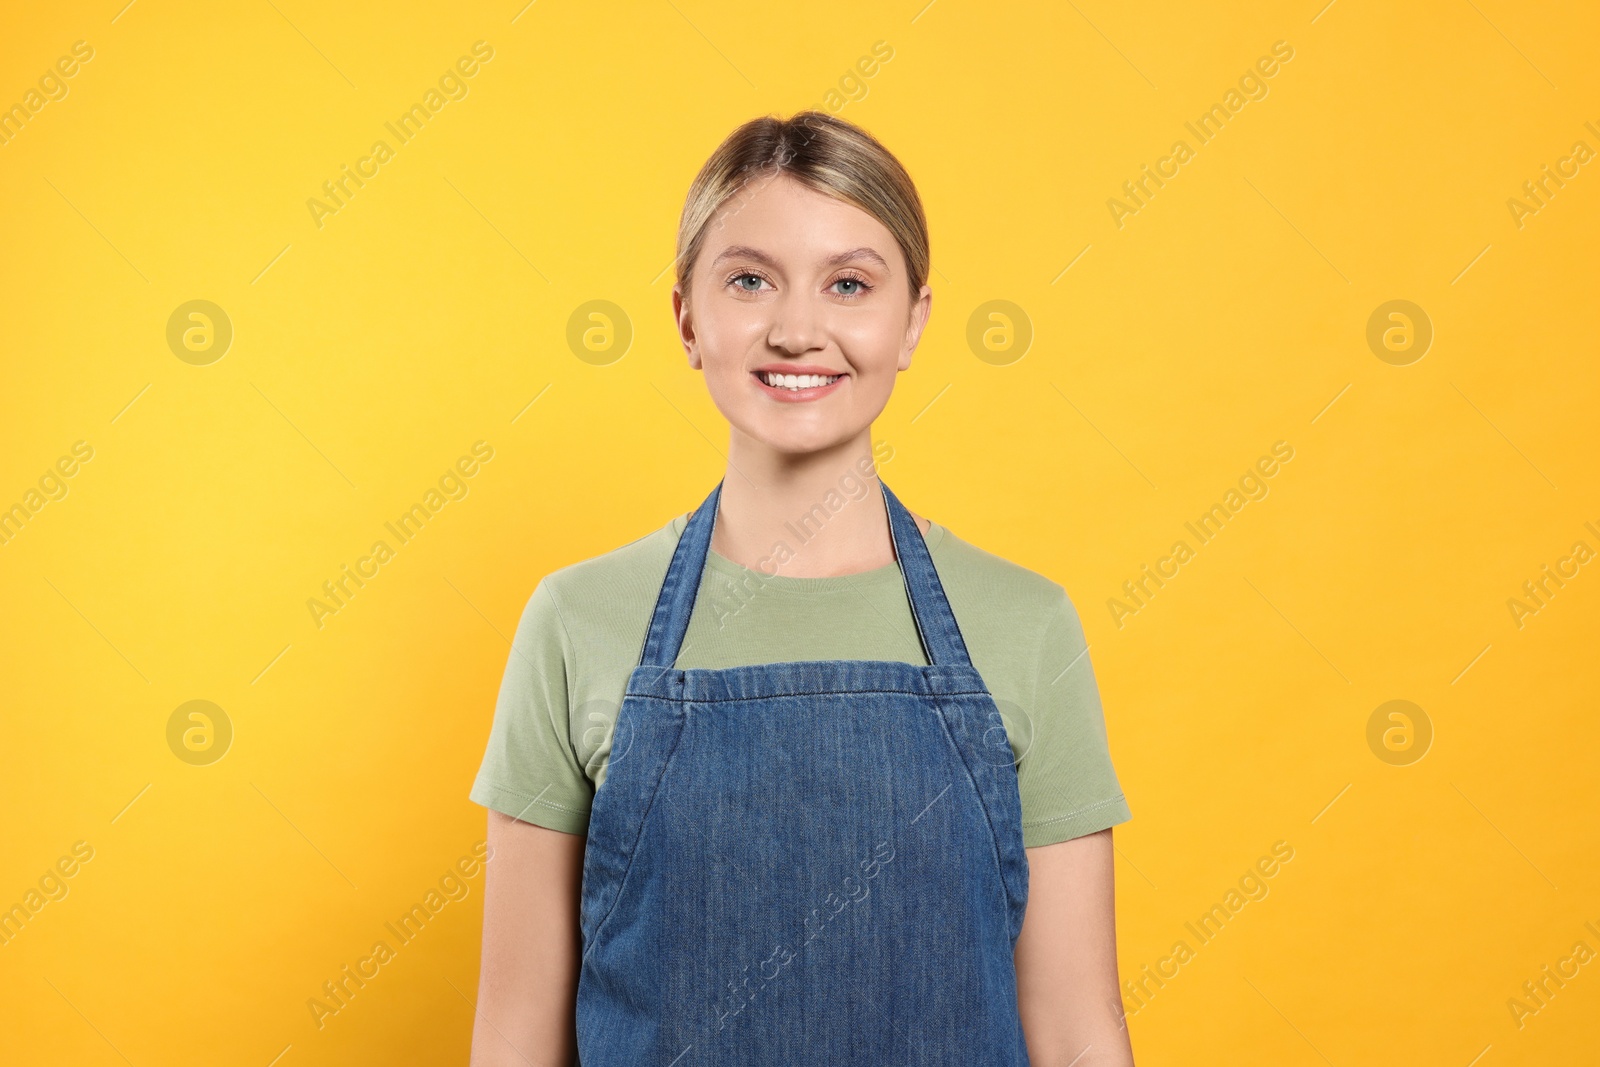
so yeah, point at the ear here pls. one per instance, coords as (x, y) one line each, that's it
(680, 313)
(916, 322)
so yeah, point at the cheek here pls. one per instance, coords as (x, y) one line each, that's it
(871, 343)
(725, 355)
(728, 331)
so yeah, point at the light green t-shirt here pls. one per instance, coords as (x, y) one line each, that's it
(583, 629)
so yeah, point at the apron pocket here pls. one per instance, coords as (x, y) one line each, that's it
(645, 740)
(966, 718)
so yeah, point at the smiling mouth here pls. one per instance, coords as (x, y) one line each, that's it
(795, 382)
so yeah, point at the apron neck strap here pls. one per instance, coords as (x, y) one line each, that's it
(941, 639)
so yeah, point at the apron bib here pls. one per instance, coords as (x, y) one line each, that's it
(797, 863)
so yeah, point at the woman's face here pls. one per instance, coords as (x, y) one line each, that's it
(792, 282)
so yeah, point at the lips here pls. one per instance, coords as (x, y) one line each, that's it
(809, 383)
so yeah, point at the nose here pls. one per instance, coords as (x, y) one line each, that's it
(798, 324)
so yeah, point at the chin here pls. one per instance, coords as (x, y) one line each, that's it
(803, 442)
(805, 446)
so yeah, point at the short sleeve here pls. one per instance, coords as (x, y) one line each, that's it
(1068, 784)
(530, 769)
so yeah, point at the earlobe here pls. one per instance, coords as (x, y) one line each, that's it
(918, 323)
(685, 329)
(686, 338)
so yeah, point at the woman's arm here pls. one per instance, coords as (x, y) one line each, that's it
(1066, 957)
(527, 990)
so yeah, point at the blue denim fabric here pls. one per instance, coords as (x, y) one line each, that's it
(804, 863)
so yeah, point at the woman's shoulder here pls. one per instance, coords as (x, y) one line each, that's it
(1020, 625)
(606, 590)
(641, 554)
(982, 581)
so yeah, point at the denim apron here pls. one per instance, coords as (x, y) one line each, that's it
(814, 862)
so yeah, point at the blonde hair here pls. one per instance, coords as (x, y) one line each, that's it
(821, 152)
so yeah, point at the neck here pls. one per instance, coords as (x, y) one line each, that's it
(816, 515)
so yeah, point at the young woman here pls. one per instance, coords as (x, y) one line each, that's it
(752, 797)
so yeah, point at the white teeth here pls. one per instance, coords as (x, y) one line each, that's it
(798, 381)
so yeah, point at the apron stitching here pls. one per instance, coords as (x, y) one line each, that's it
(994, 835)
(633, 847)
(830, 692)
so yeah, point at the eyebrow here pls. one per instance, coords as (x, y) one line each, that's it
(746, 252)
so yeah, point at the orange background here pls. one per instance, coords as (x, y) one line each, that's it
(1164, 356)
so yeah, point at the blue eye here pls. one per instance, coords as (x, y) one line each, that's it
(739, 277)
(861, 287)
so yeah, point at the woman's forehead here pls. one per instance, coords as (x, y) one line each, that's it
(787, 222)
